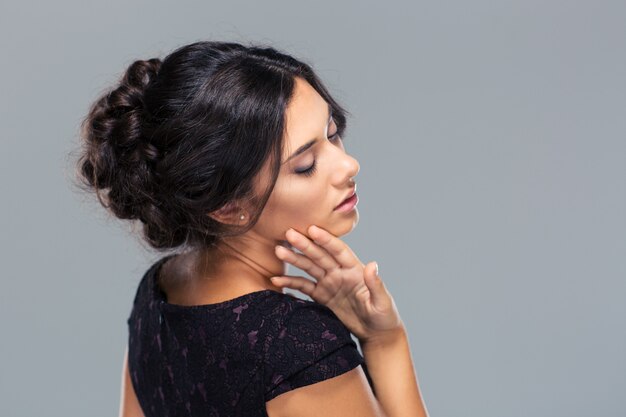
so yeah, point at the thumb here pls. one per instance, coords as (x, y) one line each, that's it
(374, 284)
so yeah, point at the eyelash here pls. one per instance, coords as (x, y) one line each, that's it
(311, 170)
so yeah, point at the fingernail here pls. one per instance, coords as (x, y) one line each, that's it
(376, 268)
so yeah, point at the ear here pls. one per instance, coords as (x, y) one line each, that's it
(230, 214)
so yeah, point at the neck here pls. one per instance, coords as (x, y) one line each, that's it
(250, 258)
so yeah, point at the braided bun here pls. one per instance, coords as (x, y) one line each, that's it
(118, 159)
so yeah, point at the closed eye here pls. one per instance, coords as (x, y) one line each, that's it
(307, 172)
(311, 170)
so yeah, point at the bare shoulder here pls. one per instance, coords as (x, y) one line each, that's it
(345, 395)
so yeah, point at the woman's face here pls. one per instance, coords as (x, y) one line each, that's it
(311, 182)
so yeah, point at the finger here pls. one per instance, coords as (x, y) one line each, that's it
(299, 261)
(301, 284)
(374, 284)
(313, 251)
(340, 251)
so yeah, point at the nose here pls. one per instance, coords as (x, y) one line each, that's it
(348, 168)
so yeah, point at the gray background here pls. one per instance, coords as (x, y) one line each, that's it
(491, 137)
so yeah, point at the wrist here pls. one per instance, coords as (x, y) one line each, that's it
(384, 338)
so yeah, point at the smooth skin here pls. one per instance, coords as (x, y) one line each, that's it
(300, 215)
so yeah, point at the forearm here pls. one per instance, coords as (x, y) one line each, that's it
(391, 368)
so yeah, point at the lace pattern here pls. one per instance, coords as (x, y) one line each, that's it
(230, 358)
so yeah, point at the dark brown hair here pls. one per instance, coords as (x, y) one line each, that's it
(179, 138)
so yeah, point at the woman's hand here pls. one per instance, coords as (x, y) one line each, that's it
(352, 290)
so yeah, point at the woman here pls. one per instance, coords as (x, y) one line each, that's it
(231, 157)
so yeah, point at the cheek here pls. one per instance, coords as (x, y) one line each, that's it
(296, 204)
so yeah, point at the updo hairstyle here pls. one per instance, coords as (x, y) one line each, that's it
(177, 139)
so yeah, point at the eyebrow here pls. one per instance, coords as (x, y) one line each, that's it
(312, 142)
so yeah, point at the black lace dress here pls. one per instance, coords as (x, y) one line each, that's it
(230, 358)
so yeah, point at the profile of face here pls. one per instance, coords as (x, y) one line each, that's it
(316, 173)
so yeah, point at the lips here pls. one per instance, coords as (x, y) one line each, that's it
(350, 194)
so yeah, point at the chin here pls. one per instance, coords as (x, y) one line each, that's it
(343, 226)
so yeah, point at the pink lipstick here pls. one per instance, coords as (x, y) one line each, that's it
(348, 204)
